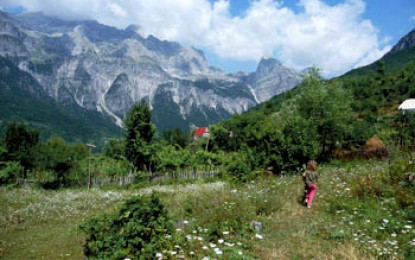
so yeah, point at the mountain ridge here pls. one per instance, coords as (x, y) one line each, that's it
(104, 69)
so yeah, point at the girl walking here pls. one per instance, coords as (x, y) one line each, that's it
(310, 177)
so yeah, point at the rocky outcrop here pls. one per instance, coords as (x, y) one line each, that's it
(406, 42)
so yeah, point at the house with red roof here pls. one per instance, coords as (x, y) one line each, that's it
(201, 132)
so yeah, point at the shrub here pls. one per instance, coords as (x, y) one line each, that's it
(10, 171)
(138, 229)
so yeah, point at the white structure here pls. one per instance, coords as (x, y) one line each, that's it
(408, 105)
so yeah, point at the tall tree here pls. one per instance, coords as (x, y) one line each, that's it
(324, 108)
(20, 142)
(140, 132)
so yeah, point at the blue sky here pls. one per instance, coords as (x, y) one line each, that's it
(392, 18)
(335, 35)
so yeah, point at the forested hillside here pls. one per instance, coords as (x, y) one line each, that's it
(23, 99)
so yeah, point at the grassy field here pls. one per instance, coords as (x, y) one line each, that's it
(263, 219)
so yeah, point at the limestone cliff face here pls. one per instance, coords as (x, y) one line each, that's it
(406, 42)
(272, 78)
(102, 68)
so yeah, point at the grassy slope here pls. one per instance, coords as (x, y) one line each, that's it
(393, 62)
(39, 224)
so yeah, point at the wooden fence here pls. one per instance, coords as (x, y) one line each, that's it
(97, 181)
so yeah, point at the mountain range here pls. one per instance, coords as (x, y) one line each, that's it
(86, 71)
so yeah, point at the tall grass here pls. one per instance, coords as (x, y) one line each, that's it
(361, 212)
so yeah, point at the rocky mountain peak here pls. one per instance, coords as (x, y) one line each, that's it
(268, 65)
(404, 43)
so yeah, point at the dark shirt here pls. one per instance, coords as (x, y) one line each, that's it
(311, 177)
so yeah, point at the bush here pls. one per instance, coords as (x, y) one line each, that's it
(138, 229)
(10, 171)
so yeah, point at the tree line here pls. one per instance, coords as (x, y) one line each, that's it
(313, 121)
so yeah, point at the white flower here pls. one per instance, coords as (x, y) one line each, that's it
(225, 232)
(218, 251)
(393, 234)
(385, 220)
(239, 252)
(205, 248)
(220, 241)
(258, 236)
(368, 221)
(159, 255)
(408, 226)
(212, 245)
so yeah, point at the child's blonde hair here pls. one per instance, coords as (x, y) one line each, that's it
(312, 165)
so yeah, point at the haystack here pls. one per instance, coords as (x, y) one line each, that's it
(374, 147)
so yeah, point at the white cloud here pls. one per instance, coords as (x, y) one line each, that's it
(334, 38)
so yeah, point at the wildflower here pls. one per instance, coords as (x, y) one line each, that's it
(239, 252)
(408, 226)
(368, 221)
(159, 255)
(258, 236)
(218, 251)
(225, 232)
(212, 245)
(189, 237)
(220, 241)
(393, 234)
(385, 221)
(205, 248)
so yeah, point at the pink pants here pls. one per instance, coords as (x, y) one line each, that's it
(311, 192)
